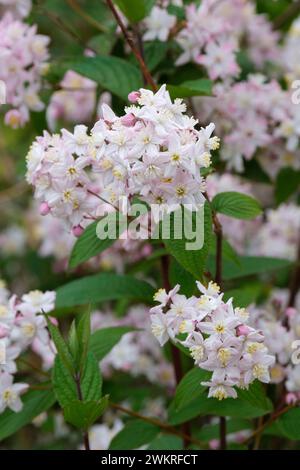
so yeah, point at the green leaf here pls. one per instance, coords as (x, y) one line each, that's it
(63, 383)
(103, 287)
(190, 387)
(254, 172)
(103, 43)
(191, 260)
(177, 11)
(82, 414)
(288, 424)
(102, 341)
(287, 183)
(89, 244)
(91, 381)
(135, 434)
(256, 396)
(135, 10)
(189, 88)
(155, 52)
(244, 296)
(237, 205)
(112, 73)
(249, 265)
(165, 441)
(35, 402)
(73, 343)
(246, 406)
(61, 346)
(83, 331)
(212, 431)
(65, 387)
(178, 275)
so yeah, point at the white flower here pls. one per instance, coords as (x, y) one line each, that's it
(36, 302)
(10, 393)
(158, 24)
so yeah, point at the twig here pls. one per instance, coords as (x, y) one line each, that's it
(143, 66)
(290, 13)
(33, 367)
(64, 27)
(267, 423)
(258, 436)
(163, 426)
(13, 192)
(89, 19)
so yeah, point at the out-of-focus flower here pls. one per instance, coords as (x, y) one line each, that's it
(279, 236)
(18, 8)
(158, 24)
(23, 59)
(74, 103)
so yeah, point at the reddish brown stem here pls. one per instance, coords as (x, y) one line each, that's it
(143, 66)
(289, 14)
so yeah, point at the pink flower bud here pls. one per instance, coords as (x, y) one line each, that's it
(147, 250)
(290, 312)
(77, 230)
(214, 444)
(3, 331)
(242, 330)
(128, 120)
(134, 96)
(44, 208)
(13, 118)
(291, 398)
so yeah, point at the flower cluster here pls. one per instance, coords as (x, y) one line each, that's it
(281, 326)
(214, 31)
(250, 116)
(154, 151)
(21, 326)
(137, 353)
(218, 337)
(75, 102)
(23, 56)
